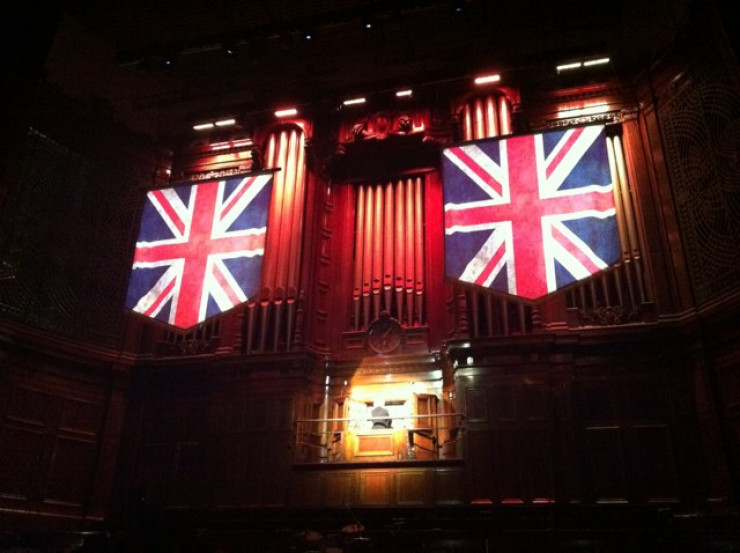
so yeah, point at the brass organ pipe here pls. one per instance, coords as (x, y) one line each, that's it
(410, 251)
(489, 314)
(388, 246)
(621, 223)
(296, 242)
(269, 260)
(504, 116)
(629, 214)
(251, 317)
(359, 252)
(626, 198)
(467, 123)
(491, 123)
(623, 240)
(264, 308)
(631, 133)
(278, 203)
(400, 262)
(296, 239)
(505, 316)
(287, 181)
(419, 248)
(367, 258)
(378, 248)
(474, 299)
(479, 130)
(522, 317)
(605, 289)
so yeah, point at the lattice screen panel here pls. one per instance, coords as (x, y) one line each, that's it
(701, 126)
(65, 257)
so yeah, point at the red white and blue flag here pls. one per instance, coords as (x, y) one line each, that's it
(527, 215)
(200, 248)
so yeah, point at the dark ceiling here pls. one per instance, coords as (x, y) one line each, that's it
(161, 65)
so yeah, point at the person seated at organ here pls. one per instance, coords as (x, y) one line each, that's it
(380, 411)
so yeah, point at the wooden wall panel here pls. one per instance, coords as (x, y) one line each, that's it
(375, 488)
(52, 424)
(414, 487)
(70, 472)
(478, 463)
(652, 473)
(339, 489)
(606, 462)
(21, 450)
(419, 486)
(449, 486)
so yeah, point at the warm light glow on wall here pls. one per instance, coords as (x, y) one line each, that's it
(353, 101)
(404, 93)
(486, 79)
(287, 112)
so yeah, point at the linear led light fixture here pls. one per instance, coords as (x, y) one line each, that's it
(486, 79)
(353, 101)
(231, 144)
(598, 61)
(287, 112)
(202, 126)
(226, 122)
(585, 110)
(569, 66)
(404, 93)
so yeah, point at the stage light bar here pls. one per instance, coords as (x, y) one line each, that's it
(591, 109)
(568, 66)
(486, 79)
(598, 61)
(287, 112)
(354, 101)
(202, 126)
(404, 93)
(231, 144)
(226, 122)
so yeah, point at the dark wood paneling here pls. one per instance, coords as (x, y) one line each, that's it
(605, 457)
(21, 450)
(375, 488)
(339, 488)
(71, 471)
(414, 487)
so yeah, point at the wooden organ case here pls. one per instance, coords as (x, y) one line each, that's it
(490, 398)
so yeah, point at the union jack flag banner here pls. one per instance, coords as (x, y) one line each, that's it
(200, 248)
(527, 215)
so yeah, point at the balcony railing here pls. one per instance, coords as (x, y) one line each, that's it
(406, 438)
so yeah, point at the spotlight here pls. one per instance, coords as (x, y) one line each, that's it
(308, 35)
(353, 101)
(226, 122)
(202, 126)
(457, 7)
(406, 93)
(368, 22)
(229, 48)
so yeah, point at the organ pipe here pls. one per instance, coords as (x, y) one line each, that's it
(389, 252)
